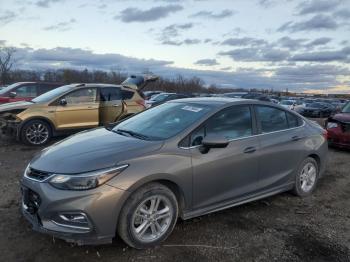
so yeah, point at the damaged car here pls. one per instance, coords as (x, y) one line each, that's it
(72, 108)
(338, 127)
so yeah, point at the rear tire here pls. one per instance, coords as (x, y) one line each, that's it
(306, 178)
(36, 133)
(148, 216)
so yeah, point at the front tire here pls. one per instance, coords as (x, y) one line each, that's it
(306, 178)
(36, 132)
(148, 216)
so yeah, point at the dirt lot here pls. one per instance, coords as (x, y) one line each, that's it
(281, 228)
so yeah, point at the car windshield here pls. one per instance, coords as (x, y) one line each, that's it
(160, 97)
(8, 88)
(314, 105)
(48, 96)
(346, 108)
(286, 102)
(162, 122)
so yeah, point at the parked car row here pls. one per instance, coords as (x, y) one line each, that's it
(71, 108)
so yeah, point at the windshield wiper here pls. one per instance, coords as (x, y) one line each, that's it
(131, 133)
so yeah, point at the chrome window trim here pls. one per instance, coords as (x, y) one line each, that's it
(245, 137)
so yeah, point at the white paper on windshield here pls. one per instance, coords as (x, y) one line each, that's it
(192, 108)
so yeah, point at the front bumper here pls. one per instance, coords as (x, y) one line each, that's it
(101, 206)
(10, 127)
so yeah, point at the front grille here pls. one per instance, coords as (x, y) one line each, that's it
(37, 175)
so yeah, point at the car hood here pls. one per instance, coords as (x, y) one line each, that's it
(15, 105)
(91, 150)
(342, 117)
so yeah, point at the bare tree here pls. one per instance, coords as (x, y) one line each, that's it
(6, 63)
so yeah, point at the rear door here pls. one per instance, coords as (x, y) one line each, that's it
(111, 104)
(281, 145)
(224, 174)
(81, 110)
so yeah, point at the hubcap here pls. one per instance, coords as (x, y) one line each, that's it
(308, 177)
(37, 134)
(152, 218)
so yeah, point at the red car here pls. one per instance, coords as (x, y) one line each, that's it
(25, 91)
(338, 127)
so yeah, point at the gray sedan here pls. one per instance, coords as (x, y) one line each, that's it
(184, 158)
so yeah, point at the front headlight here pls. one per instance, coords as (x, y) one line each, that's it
(332, 125)
(85, 181)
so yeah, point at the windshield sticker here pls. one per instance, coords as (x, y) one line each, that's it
(192, 109)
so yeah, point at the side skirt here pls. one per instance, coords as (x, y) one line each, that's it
(203, 211)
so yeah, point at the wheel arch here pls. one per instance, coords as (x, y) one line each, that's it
(48, 121)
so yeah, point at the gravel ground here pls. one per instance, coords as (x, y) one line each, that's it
(281, 228)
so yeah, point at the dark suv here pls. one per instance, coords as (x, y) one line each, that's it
(25, 91)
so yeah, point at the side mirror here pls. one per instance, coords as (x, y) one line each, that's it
(12, 94)
(213, 141)
(63, 102)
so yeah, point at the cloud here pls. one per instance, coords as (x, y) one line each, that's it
(187, 41)
(130, 14)
(317, 6)
(173, 30)
(297, 78)
(256, 54)
(243, 41)
(318, 22)
(344, 14)
(266, 3)
(323, 56)
(206, 62)
(47, 3)
(62, 26)
(80, 58)
(319, 41)
(7, 17)
(209, 14)
(290, 43)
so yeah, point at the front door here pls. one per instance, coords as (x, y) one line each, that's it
(80, 111)
(225, 174)
(111, 104)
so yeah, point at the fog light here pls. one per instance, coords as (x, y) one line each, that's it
(74, 218)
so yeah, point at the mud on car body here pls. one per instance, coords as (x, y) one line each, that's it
(71, 108)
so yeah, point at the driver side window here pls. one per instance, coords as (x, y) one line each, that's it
(232, 123)
(81, 96)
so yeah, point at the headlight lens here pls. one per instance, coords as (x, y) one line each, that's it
(332, 125)
(85, 181)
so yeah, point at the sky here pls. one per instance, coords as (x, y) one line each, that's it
(302, 46)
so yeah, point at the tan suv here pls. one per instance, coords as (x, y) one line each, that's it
(70, 108)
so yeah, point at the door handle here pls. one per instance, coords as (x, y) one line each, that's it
(295, 138)
(116, 105)
(249, 150)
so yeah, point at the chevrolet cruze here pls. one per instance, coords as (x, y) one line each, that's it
(184, 158)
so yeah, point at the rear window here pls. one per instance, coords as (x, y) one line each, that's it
(271, 119)
(126, 94)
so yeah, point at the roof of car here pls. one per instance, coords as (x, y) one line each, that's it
(213, 100)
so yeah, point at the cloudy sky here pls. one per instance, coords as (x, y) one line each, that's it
(300, 45)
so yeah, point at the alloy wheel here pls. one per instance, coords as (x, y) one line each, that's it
(37, 133)
(308, 177)
(152, 218)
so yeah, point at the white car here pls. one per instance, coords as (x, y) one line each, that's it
(290, 104)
